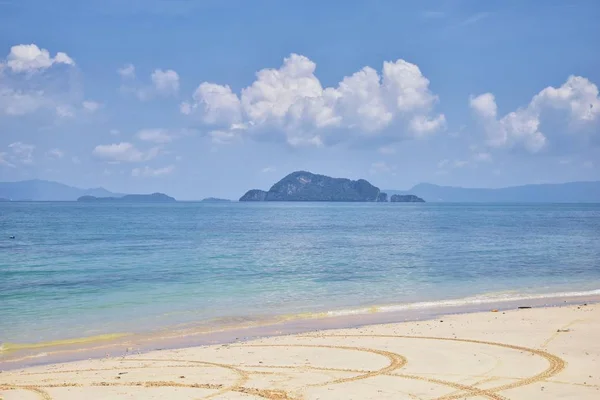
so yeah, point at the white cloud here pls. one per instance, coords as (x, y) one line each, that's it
(155, 135)
(114, 132)
(483, 157)
(475, 18)
(22, 152)
(75, 160)
(64, 111)
(55, 153)
(29, 86)
(268, 169)
(485, 105)
(125, 152)
(4, 160)
(152, 172)
(290, 101)
(185, 108)
(222, 137)
(17, 102)
(30, 58)
(220, 106)
(165, 82)
(91, 106)
(127, 71)
(577, 98)
(422, 125)
(443, 163)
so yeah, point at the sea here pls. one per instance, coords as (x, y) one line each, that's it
(85, 270)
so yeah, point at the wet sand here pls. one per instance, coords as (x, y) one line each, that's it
(550, 353)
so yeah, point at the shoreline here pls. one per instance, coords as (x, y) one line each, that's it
(24, 355)
(548, 352)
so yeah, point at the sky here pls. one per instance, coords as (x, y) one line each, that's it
(199, 98)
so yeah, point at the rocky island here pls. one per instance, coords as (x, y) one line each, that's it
(214, 200)
(130, 198)
(406, 198)
(306, 186)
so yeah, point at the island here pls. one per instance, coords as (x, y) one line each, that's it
(215, 200)
(254, 195)
(2, 199)
(306, 186)
(406, 198)
(130, 198)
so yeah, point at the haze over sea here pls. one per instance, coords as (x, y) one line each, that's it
(78, 269)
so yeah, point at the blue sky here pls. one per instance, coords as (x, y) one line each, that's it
(212, 98)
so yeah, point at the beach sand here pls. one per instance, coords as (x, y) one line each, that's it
(549, 353)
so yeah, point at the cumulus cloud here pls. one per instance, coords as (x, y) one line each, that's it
(30, 58)
(29, 84)
(55, 153)
(22, 152)
(127, 71)
(482, 157)
(64, 111)
(577, 99)
(19, 102)
(155, 135)
(152, 172)
(91, 106)
(162, 83)
(290, 101)
(124, 152)
(165, 82)
(222, 137)
(4, 160)
(268, 169)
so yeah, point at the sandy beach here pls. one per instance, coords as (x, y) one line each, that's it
(550, 353)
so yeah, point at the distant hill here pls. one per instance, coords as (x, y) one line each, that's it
(306, 186)
(573, 192)
(406, 198)
(130, 198)
(215, 200)
(39, 190)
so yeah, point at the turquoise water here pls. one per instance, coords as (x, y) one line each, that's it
(78, 270)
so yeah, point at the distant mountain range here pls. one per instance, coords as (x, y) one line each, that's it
(39, 190)
(572, 192)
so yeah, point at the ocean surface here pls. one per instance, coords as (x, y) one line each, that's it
(75, 270)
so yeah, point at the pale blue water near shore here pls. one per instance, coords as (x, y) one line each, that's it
(78, 270)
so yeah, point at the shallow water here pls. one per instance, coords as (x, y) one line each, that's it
(77, 270)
